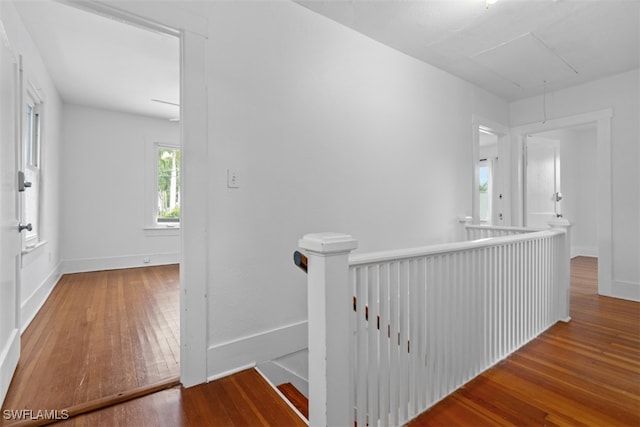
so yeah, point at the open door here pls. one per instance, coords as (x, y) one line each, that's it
(10, 242)
(542, 182)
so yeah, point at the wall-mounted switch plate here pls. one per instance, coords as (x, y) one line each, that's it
(233, 178)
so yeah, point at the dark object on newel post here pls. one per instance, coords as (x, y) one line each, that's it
(300, 260)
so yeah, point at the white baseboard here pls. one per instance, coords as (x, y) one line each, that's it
(9, 357)
(119, 262)
(590, 251)
(251, 350)
(36, 300)
(626, 290)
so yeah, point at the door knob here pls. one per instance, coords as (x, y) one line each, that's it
(21, 227)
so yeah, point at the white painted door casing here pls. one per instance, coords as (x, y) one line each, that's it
(9, 237)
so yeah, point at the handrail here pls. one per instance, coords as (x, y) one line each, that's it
(502, 228)
(301, 261)
(401, 254)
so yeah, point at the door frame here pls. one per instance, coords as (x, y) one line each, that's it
(602, 118)
(192, 31)
(502, 132)
(11, 348)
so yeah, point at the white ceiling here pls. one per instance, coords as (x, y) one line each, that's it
(103, 63)
(511, 48)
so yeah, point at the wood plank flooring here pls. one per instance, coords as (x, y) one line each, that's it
(240, 400)
(99, 334)
(582, 373)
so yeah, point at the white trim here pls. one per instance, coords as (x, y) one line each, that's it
(502, 132)
(151, 148)
(119, 262)
(588, 251)
(162, 18)
(32, 305)
(605, 225)
(8, 362)
(162, 231)
(283, 397)
(193, 30)
(564, 122)
(231, 372)
(627, 290)
(230, 356)
(31, 253)
(279, 374)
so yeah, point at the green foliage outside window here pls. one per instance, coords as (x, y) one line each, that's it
(168, 185)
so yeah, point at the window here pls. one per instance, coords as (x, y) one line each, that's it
(31, 166)
(485, 190)
(167, 184)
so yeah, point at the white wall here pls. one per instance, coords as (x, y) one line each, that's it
(106, 203)
(331, 131)
(40, 268)
(620, 93)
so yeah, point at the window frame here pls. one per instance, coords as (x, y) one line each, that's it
(151, 222)
(31, 164)
(486, 163)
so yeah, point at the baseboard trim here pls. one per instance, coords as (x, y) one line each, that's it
(590, 251)
(626, 290)
(70, 266)
(32, 305)
(278, 374)
(8, 361)
(228, 357)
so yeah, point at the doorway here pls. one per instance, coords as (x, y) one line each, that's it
(192, 30)
(491, 184)
(601, 192)
(561, 179)
(100, 163)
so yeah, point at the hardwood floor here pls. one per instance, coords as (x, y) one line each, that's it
(240, 400)
(99, 334)
(585, 372)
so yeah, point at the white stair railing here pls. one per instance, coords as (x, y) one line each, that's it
(475, 232)
(419, 323)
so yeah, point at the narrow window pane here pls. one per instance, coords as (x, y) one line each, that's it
(484, 192)
(28, 138)
(168, 185)
(35, 141)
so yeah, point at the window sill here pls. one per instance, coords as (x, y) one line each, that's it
(31, 253)
(162, 230)
(33, 246)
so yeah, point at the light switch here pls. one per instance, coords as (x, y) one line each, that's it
(233, 178)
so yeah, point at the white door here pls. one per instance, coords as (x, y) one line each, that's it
(10, 242)
(542, 181)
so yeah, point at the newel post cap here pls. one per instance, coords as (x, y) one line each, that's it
(328, 243)
(559, 223)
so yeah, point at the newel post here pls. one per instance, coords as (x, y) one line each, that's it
(330, 303)
(564, 269)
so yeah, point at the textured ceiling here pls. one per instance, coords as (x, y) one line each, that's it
(514, 48)
(510, 48)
